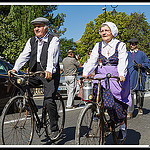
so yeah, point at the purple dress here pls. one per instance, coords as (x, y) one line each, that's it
(121, 95)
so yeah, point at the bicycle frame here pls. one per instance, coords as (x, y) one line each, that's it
(20, 115)
(39, 123)
(99, 101)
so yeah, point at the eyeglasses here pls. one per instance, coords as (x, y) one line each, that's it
(133, 44)
(102, 31)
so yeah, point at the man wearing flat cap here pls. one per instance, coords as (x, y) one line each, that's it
(137, 62)
(42, 52)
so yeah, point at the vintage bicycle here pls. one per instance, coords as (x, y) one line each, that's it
(94, 124)
(20, 116)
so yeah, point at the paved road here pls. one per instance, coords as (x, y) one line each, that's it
(138, 133)
(138, 127)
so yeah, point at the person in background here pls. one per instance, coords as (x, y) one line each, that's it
(137, 61)
(70, 65)
(42, 52)
(110, 56)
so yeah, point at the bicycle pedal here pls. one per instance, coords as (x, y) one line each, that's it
(38, 131)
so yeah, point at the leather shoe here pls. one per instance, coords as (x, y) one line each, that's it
(54, 135)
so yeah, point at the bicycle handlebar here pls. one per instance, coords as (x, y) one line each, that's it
(30, 74)
(21, 78)
(107, 76)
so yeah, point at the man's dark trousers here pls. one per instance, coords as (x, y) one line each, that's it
(50, 89)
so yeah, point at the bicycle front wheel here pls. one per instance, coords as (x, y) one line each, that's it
(17, 126)
(89, 128)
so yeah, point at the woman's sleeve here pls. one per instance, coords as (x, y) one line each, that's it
(123, 60)
(92, 62)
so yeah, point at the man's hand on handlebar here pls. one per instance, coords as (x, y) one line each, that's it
(13, 70)
(48, 75)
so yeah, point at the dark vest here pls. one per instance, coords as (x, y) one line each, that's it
(112, 60)
(44, 53)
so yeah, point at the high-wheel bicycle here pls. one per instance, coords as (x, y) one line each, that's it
(20, 116)
(94, 124)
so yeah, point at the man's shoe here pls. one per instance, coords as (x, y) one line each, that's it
(54, 135)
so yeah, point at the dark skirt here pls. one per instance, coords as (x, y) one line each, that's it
(118, 112)
(116, 109)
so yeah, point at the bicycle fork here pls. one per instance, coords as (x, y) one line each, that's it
(99, 97)
(39, 122)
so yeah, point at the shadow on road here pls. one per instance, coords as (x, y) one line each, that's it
(133, 138)
(145, 112)
(67, 135)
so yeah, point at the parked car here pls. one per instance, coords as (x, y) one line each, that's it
(62, 85)
(6, 88)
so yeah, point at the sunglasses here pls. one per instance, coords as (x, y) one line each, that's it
(133, 44)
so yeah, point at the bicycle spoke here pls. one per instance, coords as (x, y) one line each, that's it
(87, 130)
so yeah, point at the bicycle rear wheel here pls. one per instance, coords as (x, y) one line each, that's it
(89, 129)
(61, 117)
(17, 127)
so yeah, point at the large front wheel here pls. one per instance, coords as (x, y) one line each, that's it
(16, 126)
(89, 129)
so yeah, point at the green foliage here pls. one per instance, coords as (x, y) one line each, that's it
(66, 45)
(132, 26)
(16, 29)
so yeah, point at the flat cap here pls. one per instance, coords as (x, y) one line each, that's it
(40, 20)
(133, 40)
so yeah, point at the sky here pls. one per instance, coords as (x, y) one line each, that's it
(79, 14)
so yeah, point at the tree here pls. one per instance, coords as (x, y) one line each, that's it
(66, 45)
(16, 29)
(130, 26)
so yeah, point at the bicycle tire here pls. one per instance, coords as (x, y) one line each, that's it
(61, 118)
(17, 128)
(89, 129)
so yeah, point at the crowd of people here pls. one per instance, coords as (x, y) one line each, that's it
(108, 56)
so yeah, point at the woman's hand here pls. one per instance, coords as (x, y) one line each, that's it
(122, 79)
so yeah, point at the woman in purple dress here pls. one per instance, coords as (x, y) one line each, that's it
(110, 56)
